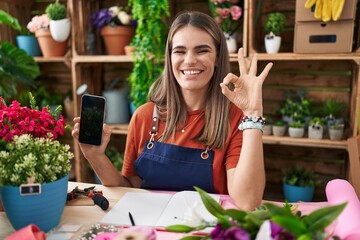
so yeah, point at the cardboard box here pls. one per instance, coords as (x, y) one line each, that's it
(303, 14)
(320, 37)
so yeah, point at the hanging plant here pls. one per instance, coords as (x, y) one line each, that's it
(149, 43)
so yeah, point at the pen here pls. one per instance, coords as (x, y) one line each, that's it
(131, 219)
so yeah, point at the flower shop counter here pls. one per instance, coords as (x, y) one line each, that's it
(79, 217)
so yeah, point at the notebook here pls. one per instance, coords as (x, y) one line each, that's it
(156, 209)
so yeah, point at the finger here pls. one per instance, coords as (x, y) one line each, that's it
(266, 71)
(241, 61)
(106, 129)
(76, 119)
(226, 91)
(230, 78)
(253, 66)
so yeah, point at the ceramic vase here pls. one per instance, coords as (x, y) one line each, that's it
(316, 133)
(49, 47)
(44, 209)
(267, 130)
(278, 130)
(296, 132)
(272, 43)
(231, 43)
(60, 29)
(29, 44)
(296, 193)
(116, 38)
(336, 134)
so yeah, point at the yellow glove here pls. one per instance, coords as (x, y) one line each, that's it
(309, 3)
(318, 9)
(337, 8)
(326, 10)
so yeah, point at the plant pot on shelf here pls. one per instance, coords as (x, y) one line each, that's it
(278, 130)
(272, 43)
(267, 129)
(60, 29)
(116, 38)
(44, 209)
(49, 47)
(296, 132)
(29, 44)
(316, 132)
(231, 42)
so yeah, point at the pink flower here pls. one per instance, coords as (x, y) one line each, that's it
(236, 12)
(223, 12)
(39, 22)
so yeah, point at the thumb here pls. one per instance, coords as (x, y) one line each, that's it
(106, 129)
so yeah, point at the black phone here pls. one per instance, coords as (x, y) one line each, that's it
(91, 119)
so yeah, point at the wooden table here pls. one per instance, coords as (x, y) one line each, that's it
(81, 215)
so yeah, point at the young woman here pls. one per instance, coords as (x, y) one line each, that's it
(202, 125)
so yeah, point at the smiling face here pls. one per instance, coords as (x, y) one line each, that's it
(193, 58)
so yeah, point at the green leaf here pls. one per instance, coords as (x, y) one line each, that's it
(276, 210)
(321, 218)
(13, 22)
(211, 205)
(236, 214)
(179, 228)
(291, 224)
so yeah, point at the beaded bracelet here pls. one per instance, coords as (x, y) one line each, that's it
(252, 122)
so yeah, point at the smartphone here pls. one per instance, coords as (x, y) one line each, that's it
(91, 119)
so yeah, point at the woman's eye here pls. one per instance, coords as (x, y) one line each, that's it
(203, 51)
(178, 52)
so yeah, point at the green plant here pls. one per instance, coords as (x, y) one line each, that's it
(336, 125)
(297, 109)
(296, 124)
(333, 108)
(300, 176)
(149, 42)
(116, 157)
(281, 222)
(317, 121)
(279, 123)
(56, 11)
(7, 18)
(275, 23)
(15, 67)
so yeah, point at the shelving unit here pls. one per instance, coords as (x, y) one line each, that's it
(292, 71)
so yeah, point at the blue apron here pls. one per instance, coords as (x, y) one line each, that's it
(163, 166)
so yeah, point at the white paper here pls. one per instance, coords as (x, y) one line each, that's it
(155, 209)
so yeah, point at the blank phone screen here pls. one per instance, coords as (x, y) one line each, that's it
(91, 119)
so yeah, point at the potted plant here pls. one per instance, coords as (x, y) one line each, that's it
(332, 111)
(299, 184)
(279, 128)
(296, 129)
(296, 109)
(16, 67)
(34, 166)
(229, 21)
(316, 128)
(117, 28)
(268, 126)
(49, 47)
(25, 40)
(336, 131)
(148, 58)
(274, 26)
(59, 23)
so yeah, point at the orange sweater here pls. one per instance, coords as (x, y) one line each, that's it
(224, 159)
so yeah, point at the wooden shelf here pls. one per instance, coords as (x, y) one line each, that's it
(305, 142)
(302, 56)
(102, 59)
(49, 59)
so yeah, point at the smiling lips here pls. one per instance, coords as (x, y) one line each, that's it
(193, 72)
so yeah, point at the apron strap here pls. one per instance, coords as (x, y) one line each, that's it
(154, 129)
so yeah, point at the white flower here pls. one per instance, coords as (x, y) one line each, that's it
(191, 217)
(124, 18)
(264, 232)
(114, 10)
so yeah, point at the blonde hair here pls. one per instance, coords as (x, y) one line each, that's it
(165, 92)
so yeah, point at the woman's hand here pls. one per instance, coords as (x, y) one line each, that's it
(247, 94)
(88, 150)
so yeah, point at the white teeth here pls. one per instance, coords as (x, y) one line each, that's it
(191, 72)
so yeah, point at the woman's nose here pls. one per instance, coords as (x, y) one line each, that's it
(190, 58)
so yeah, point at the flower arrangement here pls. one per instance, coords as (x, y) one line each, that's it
(39, 22)
(28, 147)
(268, 222)
(16, 120)
(114, 16)
(227, 14)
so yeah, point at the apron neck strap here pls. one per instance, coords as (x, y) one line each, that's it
(155, 122)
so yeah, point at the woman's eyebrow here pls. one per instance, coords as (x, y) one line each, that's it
(196, 47)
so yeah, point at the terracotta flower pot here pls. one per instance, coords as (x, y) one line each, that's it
(116, 38)
(49, 47)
